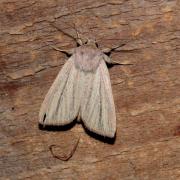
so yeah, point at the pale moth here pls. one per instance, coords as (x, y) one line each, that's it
(82, 90)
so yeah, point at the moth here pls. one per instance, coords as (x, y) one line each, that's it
(82, 90)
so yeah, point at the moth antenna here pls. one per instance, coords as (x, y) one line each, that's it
(79, 40)
(67, 34)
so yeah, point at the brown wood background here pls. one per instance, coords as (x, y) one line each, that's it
(147, 94)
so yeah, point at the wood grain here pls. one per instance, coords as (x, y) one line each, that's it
(147, 94)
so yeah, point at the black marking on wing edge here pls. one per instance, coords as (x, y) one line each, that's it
(44, 118)
(60, 97)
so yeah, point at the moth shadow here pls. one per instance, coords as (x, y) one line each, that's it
(57, 128)
(110, 65)
(71, 125)
(99, 137)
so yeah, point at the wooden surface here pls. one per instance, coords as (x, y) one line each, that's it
(147, 94)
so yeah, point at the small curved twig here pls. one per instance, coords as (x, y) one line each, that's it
(64, 157)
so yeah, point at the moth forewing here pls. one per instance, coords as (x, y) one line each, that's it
(98, 110)
(55, 104)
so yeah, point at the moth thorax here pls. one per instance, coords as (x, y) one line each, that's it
(87, 59)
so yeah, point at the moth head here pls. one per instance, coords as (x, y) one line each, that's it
(91, 43)
(82, 40)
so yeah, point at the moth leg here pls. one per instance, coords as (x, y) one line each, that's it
(67, 52)
(110, 61)
(108, 51)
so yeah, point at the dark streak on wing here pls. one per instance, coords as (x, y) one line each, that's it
(90, 94)
(74, 88)
(57, 107)
(44, 118)
(73, 91)
(100, 104)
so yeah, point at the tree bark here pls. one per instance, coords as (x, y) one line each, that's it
(147, 94)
